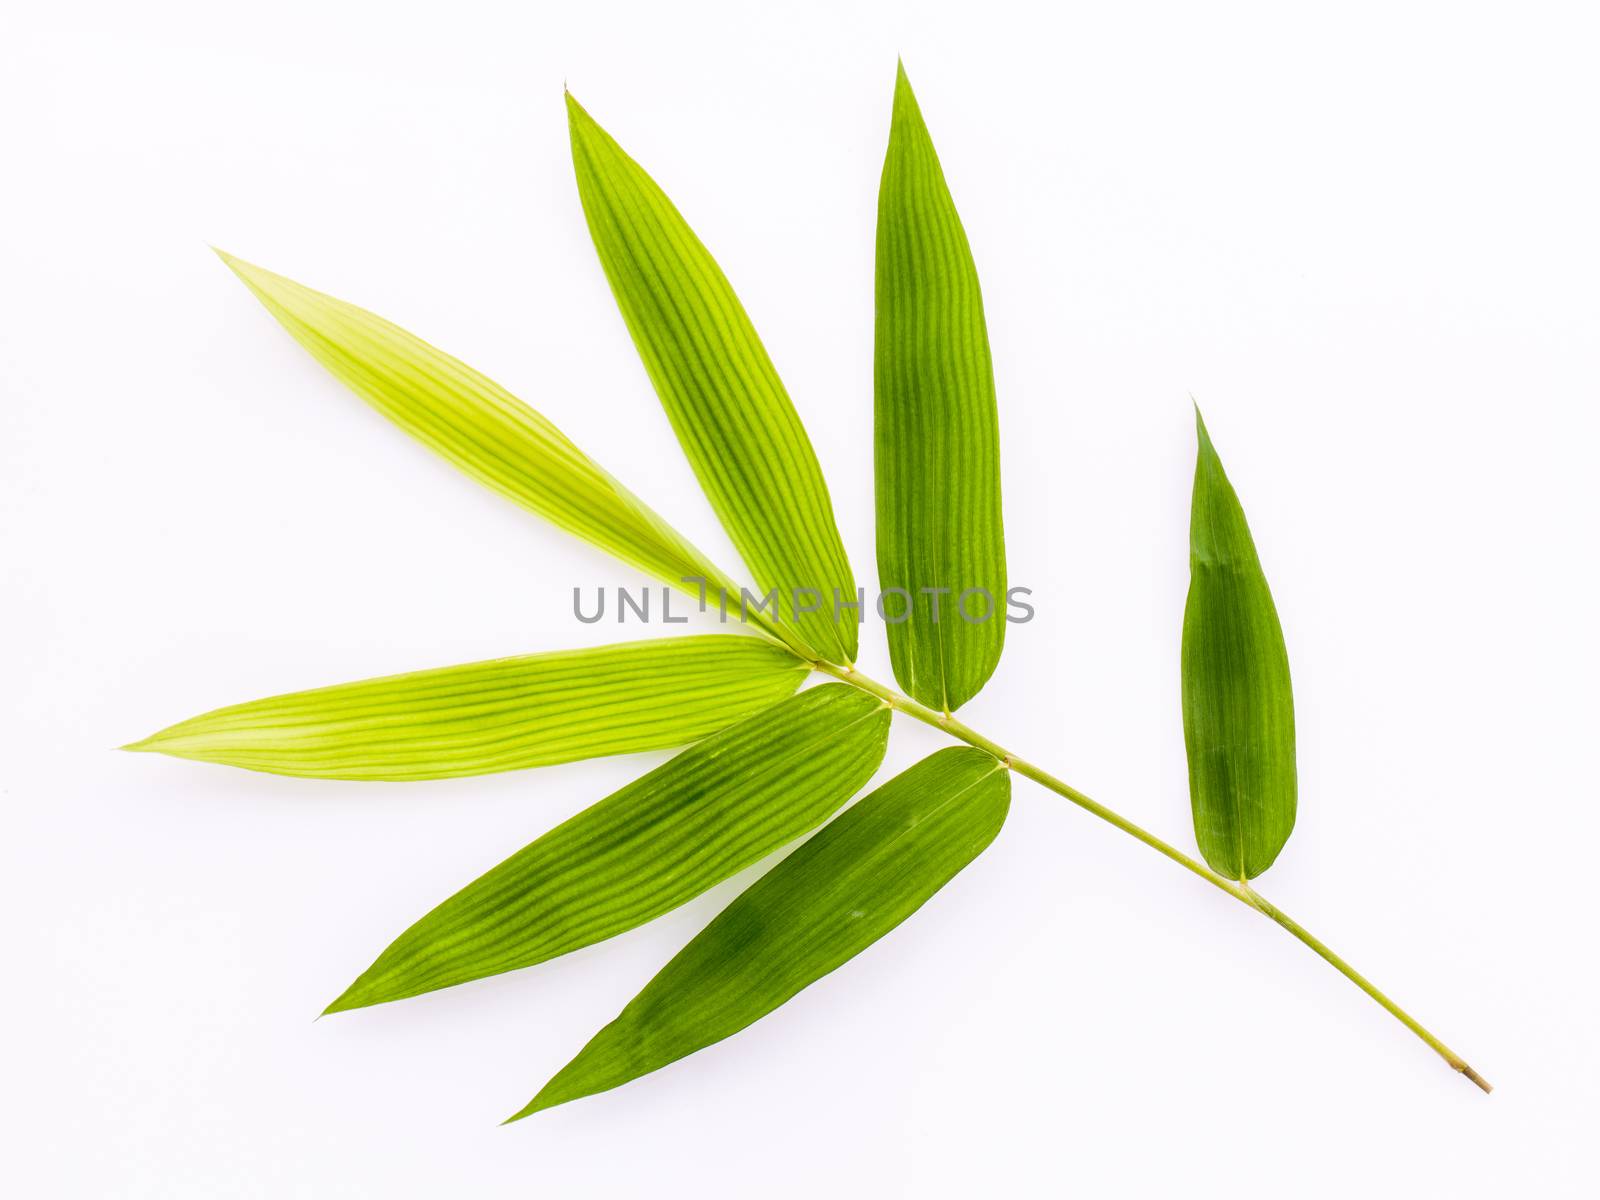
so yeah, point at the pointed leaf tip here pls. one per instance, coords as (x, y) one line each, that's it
(905, 97)
(237, 265)
(538, 1104)
(1201, 432)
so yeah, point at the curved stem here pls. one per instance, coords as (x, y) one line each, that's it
(1240, 890)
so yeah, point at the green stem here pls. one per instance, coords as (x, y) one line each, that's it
(1240, 890)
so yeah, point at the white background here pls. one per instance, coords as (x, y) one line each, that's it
(1364, 238)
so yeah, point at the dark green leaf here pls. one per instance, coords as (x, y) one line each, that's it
(937, 439)
(712, 811)
(1238, 711)
(721, 392)
(501, 715)
(824, 904)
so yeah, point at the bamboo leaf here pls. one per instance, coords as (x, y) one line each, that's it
(501, 715)
(1238, 709)
(712, 811)
(937, 438)
(478, 426)
(720, 390)
(832, 898)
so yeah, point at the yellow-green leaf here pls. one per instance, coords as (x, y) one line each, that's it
(712, 811)
(478, 426)
(501, 715)
(1238, 710)
(721, 392)
(941, 545)
(832, 898)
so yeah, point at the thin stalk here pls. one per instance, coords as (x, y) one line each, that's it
(1240, 890)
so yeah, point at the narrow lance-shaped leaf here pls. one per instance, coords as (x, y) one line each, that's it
(501, 715)
(720, 390)
(1238, 711)
(824, 904)
(941, 546)
(478, 426)
(712, 811)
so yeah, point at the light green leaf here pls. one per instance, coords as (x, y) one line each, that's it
(824, 904)
(1238, 710)
(937, 436)
(480, 427)
(721, 393)
(501, 715)
(712, 811)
